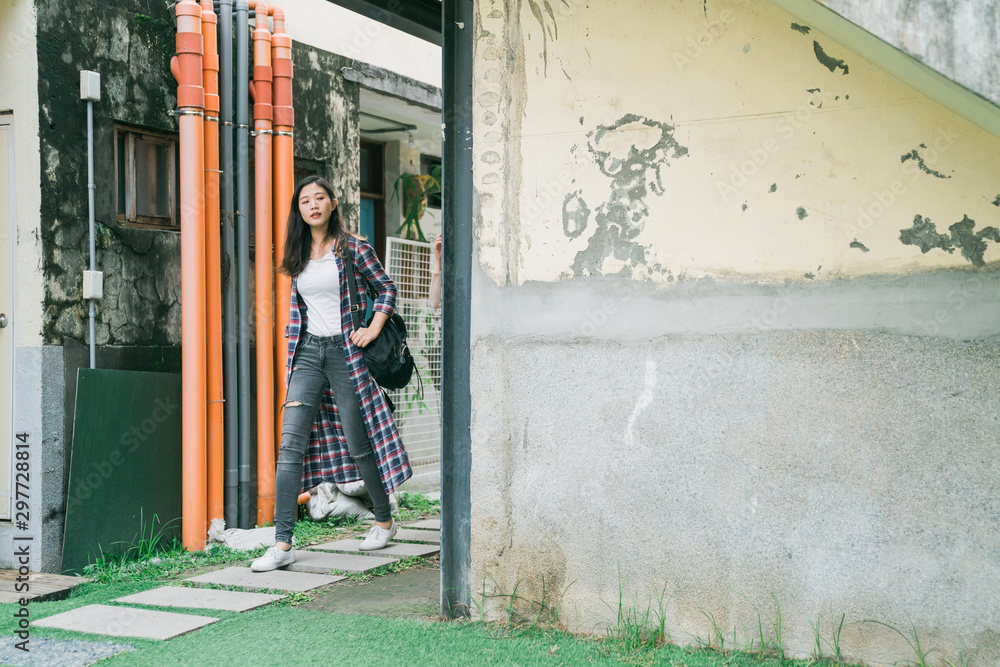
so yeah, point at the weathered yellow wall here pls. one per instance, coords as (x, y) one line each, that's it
(749, 158)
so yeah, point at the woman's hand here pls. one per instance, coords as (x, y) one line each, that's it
(365, 335)
(437, 255)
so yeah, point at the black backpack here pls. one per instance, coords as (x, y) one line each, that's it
(388, 358)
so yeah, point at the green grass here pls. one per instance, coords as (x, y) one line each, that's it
(303, 636)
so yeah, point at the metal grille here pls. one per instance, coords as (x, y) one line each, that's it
(418, 419)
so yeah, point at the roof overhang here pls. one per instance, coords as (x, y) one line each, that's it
(920, 77)
(420, 18)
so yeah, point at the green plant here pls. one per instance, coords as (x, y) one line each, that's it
(964, 657)
(139, 557)
(817, 652)
(835, 637)
(776, 625)
(524, 612)
(760, 625)
(412, 190)
(920, 659)
(636, 630)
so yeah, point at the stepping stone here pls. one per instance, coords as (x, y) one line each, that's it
(417, 535)
(279, 580)
(41, 586)
(200, 598)
(427, 524)
(315, 561)
(392, 549)
(102, 619)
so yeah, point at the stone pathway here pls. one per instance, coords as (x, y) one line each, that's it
(310, 571)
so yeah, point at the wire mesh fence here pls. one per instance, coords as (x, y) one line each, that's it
(418, 405)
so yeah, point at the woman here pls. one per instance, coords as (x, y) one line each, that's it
(336, 420)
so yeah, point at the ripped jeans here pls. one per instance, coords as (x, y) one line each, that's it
(320, 363)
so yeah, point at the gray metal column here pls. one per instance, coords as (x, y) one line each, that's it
(231, 410)
(456, 438)
(243, 253)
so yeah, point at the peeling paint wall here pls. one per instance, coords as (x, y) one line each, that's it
(805, 148)
(735, 329)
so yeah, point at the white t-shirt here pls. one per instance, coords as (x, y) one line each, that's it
(319, 287)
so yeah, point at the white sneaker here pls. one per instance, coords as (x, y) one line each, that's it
(272, 559)
(378, 537)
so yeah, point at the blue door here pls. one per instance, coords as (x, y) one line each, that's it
(367, 227)
(368, 219)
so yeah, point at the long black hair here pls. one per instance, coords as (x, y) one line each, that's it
(298, 237)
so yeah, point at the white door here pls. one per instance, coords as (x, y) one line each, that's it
(7, 227)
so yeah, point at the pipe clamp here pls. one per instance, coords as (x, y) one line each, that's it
(186, 112)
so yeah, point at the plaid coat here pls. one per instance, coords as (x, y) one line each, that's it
(327, 459)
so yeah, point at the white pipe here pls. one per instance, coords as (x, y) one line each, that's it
(91, 187)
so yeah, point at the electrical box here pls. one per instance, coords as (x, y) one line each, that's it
(93, 284)
(90, 85)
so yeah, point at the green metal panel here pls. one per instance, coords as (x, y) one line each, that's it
(125, 467)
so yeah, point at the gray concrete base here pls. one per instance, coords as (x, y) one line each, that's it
(321, 563)
(391, 549)
(200, 598)
(427, 524)
(101, 619)
(278, 580)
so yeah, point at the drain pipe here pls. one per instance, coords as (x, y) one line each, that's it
(284, 186)
(93, 281)
(187, 65)
(456, 400)
(243, 256)
(262, 116)
(231, 403)
(213, 258)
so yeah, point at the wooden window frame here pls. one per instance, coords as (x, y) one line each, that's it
(131, 218)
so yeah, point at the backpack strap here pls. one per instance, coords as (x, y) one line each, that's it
(351, 289)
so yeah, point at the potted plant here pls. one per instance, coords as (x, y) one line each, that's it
(415, 189)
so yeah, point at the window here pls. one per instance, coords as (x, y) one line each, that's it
(147, 176)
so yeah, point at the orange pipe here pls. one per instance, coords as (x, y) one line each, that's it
(263, 264)
(284, 187)
(191, 104)
(213, 262)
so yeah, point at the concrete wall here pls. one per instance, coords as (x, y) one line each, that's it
(958, 38)
(19, 94)
(717, 347)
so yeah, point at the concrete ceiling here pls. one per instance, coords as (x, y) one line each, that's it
(420, 18)
(428, 122)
